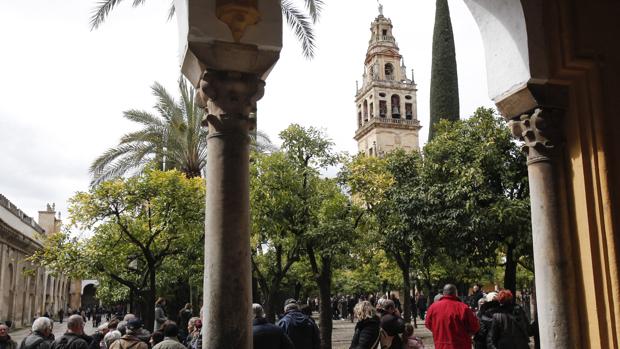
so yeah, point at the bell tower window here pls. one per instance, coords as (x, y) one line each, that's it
(408, 111)
(395, 107)
(389, 72)
(365, 111)
(382, 108)
(372, 110)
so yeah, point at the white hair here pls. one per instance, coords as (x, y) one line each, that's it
(103, 326)
(42, 323)
(258, 311)
(110, 338)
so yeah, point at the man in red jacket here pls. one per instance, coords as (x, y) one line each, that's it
(451, 321)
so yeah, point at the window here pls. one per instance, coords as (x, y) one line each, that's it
(395, 107)
(382, 108)
(384, 32)
(359, 119)
(372, 110)
(365, 111)
(389, 72)
(408, 111)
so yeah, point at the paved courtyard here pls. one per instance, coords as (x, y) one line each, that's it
(343, 332)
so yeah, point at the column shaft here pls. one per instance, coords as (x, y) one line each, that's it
(549, 262)
(227, 272)
(227, 282)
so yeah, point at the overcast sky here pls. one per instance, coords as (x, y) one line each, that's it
(63, 88)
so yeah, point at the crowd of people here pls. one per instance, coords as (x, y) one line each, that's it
(486, 321)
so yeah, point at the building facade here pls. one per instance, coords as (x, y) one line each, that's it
(386, 103)
(28, 290)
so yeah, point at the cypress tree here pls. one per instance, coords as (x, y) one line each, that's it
(444, 79)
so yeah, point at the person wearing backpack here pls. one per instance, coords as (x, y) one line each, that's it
(129, 340)
(41, 336)
(73, 338)
(509, 329)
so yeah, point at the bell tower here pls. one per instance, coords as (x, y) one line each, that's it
(386, 103)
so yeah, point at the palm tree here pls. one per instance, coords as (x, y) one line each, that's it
(173, 139)
(298, 20)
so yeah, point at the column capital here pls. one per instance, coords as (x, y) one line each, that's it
(231, 93)
(539, 129)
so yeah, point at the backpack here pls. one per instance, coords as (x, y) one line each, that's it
(385, 339)
(31, 346)
(64, 342)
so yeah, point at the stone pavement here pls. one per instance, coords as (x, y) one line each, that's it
(59, 329)
(343, 332)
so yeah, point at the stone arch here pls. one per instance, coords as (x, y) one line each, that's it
(543, 62)
(89, 295)
(10, 295)
(389, 71)
(365, 110)
(395, 106)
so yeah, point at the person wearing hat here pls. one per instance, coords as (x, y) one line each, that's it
(299, 327)
(509, 325)
(485, 316)
(129, 340)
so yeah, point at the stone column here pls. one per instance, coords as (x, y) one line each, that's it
(227, 273)
(540, 131)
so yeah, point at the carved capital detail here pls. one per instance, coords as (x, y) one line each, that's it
(539, 130)
(232, 93)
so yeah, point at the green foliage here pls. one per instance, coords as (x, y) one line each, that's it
(478, 191)
(143, 230)
(444, 102)
(173, 139)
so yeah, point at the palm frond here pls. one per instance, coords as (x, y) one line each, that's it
(142, 117)
(171, 11)
(137, 3)
(115, 162)
(302, 27)
(101, 12)
(314, 7)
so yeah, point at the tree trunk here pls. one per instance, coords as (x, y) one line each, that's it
(325, 317)
(270, 306)
(510, 271)
(149, 316)
(406, 300)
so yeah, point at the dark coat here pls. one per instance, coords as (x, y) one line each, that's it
(269, 336)
(70, 341)
(302, 330)
(36, 340)
(393, 326)
(366, 334)
(485, 316)
(509, 329)
(8, 343)
(97, 338)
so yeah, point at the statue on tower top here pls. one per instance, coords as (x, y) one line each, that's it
(380, 8)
